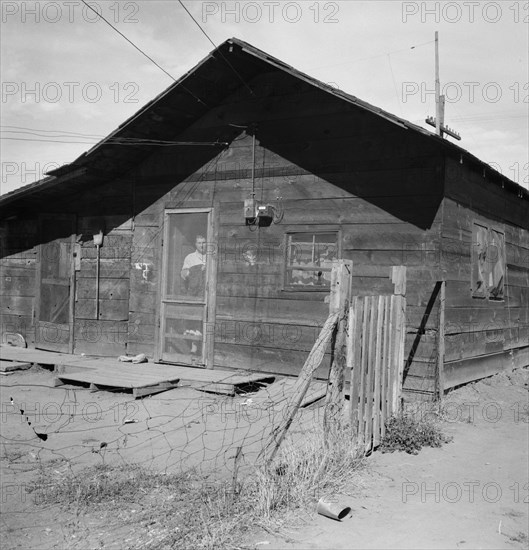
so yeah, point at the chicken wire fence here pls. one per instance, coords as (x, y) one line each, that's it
(171, 432)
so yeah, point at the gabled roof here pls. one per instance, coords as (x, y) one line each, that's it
(232, 65)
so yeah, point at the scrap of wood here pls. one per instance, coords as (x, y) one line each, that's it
(398, 278)
(9, 366)
(302, 384)
(213, 387)
(282, 390)
(156, 388)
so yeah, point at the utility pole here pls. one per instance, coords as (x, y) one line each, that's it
(439, 99)
(439, 121)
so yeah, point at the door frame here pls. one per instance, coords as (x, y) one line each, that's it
(71, 305)
(211, 282)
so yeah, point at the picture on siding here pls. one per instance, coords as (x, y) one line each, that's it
(479, 261)
(488, 263)
(497, 264)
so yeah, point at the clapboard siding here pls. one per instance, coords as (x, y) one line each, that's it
(18, 254)
(481, 328)
(106, 335)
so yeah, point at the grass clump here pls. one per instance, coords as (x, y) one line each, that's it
(406, 433)
(306, 468)
(191, 511)
(97, 485)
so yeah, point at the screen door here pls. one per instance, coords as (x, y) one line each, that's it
(184, 287)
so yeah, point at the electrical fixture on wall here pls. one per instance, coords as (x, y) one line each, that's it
(259, 214)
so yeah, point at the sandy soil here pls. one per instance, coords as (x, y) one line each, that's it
(471, 493)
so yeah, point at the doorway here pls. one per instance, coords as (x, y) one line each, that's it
(186, 273)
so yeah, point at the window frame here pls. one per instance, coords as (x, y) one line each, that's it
(288, 287)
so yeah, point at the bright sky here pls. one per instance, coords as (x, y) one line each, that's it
(66, 73)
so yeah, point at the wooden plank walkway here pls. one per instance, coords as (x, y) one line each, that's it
(142, 378)
(41, 357)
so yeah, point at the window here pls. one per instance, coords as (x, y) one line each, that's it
(309, 259)
(488, 262)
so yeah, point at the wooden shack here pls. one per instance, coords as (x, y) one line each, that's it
(202, 230)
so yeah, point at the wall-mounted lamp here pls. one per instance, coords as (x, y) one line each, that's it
(98, 238)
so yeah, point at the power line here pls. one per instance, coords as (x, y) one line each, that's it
(128, 40)
(395, 85)
(215, 46)
(117, 141)
(372, 56)
(16, 129)
(143, 53)
(198, 24)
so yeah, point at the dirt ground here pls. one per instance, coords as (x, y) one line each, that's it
(471, 493)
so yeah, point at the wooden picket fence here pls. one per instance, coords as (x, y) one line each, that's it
(375, 357)
(372, 331)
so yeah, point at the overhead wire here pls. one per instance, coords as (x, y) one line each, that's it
(54, 135)
(215, 46)
(395, 86)
(129, 41)
(17, 129)
(372, 56)
(143, 53)
(131, 142)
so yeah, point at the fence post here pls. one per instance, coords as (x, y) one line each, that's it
(398, 278)
(441, 342)
(300, 388)
(341, 280)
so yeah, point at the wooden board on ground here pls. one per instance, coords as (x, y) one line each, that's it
(281, 391)
(221, 381)
(11, 366)
(148, 378)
